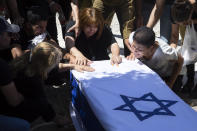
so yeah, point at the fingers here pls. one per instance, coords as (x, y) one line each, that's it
(88, 68)
(116, 60)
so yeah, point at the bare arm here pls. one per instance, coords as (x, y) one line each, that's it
(174, 35)
(75, 9)
(11, 94)
(80, 59)
(176, 70)
(115, 59)
(156, 13)
(79, 68)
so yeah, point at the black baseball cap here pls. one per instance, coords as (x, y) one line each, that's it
(6, 27)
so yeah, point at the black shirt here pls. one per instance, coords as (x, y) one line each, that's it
(168, 2)
(6, 55)
(25, 39)
(93, 48)
(5, 75)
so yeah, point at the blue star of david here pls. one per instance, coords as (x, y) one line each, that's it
(143, 115)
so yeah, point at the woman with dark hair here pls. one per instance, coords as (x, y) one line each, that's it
(94, 39)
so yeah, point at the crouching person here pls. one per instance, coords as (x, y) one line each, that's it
(156, 54)
(30, 71)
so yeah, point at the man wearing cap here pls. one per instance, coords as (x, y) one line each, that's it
(8, 92)
(8, 51)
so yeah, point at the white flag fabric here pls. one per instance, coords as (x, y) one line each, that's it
(131, 97)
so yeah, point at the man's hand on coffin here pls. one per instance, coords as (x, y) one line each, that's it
(82, 60)
(116, 59)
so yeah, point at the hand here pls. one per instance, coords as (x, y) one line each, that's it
(131, 57)
(76, 28)
(82, 68)
(173, 45)
(126, 42)
(82, 60)
(168, 82)
(116, 60)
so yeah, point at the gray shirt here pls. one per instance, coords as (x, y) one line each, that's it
(163, 59)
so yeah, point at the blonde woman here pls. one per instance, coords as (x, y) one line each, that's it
(30, 71)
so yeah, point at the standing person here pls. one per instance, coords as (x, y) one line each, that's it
(94, 39)
(125, 13)
(184, 13)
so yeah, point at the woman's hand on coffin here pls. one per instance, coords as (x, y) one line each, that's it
(116, 59)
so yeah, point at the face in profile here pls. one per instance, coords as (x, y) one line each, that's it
(4, 40)
(90, 30)
(39, 28)
(140, 51)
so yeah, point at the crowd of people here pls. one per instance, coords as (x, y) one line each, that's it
(31, 57)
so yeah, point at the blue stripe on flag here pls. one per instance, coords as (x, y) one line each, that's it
(79, 101)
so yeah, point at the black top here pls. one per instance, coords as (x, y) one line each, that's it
(6, 78)
(25, 39)
(6, 55)
(5, 75)
(92, 48)
(168, 2)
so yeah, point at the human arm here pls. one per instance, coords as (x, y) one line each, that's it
(16, 51)
(11, 94)
(176, 70)
(115, 58)
(156, 13)
(75, 9)
(80, 59)
(174, 35)
(79, 68)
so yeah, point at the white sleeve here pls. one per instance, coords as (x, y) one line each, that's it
(131, 37)
(169, 52)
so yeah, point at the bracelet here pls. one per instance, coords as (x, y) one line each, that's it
(51, 3)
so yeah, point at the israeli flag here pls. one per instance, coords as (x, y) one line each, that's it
(128, 97)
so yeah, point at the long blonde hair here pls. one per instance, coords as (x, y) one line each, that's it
(38, 60)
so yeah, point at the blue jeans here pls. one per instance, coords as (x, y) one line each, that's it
(165, 21)
(13, 124)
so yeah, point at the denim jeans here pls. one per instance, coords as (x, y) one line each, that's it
(13, 124)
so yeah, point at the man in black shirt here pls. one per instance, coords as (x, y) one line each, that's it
(8, 92)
